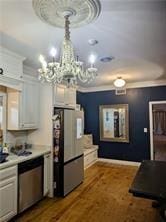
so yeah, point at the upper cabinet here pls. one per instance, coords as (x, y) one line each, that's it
(64, 97)
(23, 107)
(30, 105)
(11, 64)
(22, 93)
(70, 97)
(59, 95)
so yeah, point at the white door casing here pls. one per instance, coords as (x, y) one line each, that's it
(151, 103)
(4, 116)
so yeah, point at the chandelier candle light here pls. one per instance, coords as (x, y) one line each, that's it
(68, 70)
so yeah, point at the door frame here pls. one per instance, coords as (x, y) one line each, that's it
(151, 103)
(4, 116)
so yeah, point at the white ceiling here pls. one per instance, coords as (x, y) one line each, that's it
(132, 31)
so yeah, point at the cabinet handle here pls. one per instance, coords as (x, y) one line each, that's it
(1, 71)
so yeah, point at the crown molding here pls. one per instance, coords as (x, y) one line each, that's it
(27, 70)
(128, 86)
(11, 83)
(6, 51)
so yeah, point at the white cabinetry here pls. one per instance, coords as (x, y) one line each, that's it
(47, 174)
(90, 157)
(59, 95)
(64, 97)
(23, 107)
(30, 105)
(11, 63)
(8, 193)
(70, 97)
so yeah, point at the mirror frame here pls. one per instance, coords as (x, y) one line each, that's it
(117, 106)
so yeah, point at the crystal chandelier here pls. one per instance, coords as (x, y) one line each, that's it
(68, 70)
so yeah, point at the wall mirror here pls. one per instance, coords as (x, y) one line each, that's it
(114, 123)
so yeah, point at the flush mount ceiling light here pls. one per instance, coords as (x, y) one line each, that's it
(57, 13)
(119, 82)
(107, 59)
(93, 42)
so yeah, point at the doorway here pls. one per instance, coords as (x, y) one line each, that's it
(2, 118)
(157, 113)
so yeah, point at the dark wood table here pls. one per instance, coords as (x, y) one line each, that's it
(150, 182)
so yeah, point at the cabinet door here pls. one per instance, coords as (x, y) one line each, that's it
(70, 97)
(8, 198)
(11, 63)
(29, 109)
(13, 107)
(23, 107)
(47, 170)
(59, 95)
(65, 97)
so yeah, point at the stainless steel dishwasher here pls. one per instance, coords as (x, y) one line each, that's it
(30, 183)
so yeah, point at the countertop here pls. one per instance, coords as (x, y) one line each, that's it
(36, 150)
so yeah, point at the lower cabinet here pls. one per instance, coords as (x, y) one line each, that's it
(9, 188)
(8, 193)
(47, 174)
(90, 157)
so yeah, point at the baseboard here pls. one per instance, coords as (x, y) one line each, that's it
(120, 162)
(93, 162)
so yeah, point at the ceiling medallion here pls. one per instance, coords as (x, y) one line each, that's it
(82, 12)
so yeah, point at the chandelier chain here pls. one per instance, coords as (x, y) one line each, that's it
(67, 28)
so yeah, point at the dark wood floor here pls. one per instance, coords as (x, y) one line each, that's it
(103, 197)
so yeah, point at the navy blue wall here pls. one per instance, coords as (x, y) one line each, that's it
(138, 100)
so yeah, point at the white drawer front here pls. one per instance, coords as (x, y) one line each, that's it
(95, 155)
(86, 160)
(90, 158)
(8, 172)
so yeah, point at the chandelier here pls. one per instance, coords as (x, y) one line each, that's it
(69, 70)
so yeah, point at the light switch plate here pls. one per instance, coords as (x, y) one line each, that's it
(145, 130)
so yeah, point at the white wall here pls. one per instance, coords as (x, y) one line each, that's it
(16, 137)
(43, 136)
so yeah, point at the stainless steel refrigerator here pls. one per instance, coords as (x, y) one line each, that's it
(68, 151)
